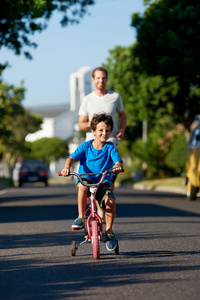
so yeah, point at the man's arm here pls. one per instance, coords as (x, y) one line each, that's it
(83, 123)
(122, 125)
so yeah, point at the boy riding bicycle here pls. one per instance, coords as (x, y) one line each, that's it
(96, 156)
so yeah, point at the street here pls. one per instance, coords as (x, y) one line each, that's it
(159, 243)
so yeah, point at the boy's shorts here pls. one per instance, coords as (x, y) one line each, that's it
(102, 193)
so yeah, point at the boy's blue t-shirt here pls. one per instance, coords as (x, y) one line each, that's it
(95, 161)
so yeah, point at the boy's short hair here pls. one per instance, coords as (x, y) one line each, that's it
(98, 118)
(99, 69)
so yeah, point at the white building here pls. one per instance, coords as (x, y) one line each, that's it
(60, 120)
(80, 85)
(57, 121)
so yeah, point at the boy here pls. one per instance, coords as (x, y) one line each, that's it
(96, 156)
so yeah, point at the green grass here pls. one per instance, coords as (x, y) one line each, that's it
(177, 182)
(171, 182)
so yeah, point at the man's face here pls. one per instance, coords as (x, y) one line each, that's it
(99, 80)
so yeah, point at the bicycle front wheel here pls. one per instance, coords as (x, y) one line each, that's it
(95, 240)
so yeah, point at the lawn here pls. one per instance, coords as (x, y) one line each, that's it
(177, 182)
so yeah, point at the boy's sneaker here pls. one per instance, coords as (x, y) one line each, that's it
(111, 242)
(78, 224)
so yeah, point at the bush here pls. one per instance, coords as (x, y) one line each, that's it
(176, 159)
(5, 182)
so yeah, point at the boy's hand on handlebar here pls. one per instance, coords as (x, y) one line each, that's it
(117, 169)
(65, 172)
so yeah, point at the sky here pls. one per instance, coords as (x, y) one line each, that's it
(62, 51)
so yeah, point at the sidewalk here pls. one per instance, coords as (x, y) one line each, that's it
(174, 185)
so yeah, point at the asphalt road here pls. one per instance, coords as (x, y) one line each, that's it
(158, 237)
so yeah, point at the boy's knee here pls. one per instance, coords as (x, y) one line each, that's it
(82, 188)
(110, 202)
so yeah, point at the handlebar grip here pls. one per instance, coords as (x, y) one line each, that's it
(121, 171)
(59, 174)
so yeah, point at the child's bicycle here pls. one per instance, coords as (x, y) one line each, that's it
(93, 222)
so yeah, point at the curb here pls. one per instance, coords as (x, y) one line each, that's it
(175, 190)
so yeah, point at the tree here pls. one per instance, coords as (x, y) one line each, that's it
(10, 106)
(168, 45)
(148, 98)
(21, 126)
(123, 72)
(19, 19)
(176, 158)
(145, 97)
(49, 149)
(16, 123)
(15, 119)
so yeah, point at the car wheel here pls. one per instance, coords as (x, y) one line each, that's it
(191, 191)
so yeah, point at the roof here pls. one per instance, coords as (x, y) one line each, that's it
(49, 111)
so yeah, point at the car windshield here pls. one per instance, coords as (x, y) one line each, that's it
(195, 138)
(33, 164)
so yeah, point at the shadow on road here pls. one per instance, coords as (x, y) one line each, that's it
(74, 279)
(39, 240)
(63, 212)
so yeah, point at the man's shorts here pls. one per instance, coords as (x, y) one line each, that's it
(113, 177)
(102, 193)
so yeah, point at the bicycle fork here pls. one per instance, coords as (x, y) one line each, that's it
(93, 215)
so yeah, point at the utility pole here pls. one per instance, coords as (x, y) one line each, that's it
(144, 138)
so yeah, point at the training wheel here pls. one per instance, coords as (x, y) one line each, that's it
(73, 249)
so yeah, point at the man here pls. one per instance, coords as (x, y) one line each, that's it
(102, 100)
(99, 101)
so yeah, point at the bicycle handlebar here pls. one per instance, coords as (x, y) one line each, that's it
(91, 184)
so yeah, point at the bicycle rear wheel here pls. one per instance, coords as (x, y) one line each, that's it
(95, 240)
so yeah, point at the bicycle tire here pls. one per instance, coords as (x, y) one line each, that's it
(95, 240)
(73, 248)
(191, 191)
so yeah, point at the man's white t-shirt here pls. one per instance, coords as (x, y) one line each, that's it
(109, 104)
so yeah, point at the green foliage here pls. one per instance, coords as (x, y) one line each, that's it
(5, 182)
(22, 125)
(145, 97)
(10, 106)
(123, 71)
(168, 45)
(154, 97)
(20, 19)
(16, 123)
(48, 149)
(164, 153)
(148, 98)
(168, 35)
(176, 158)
